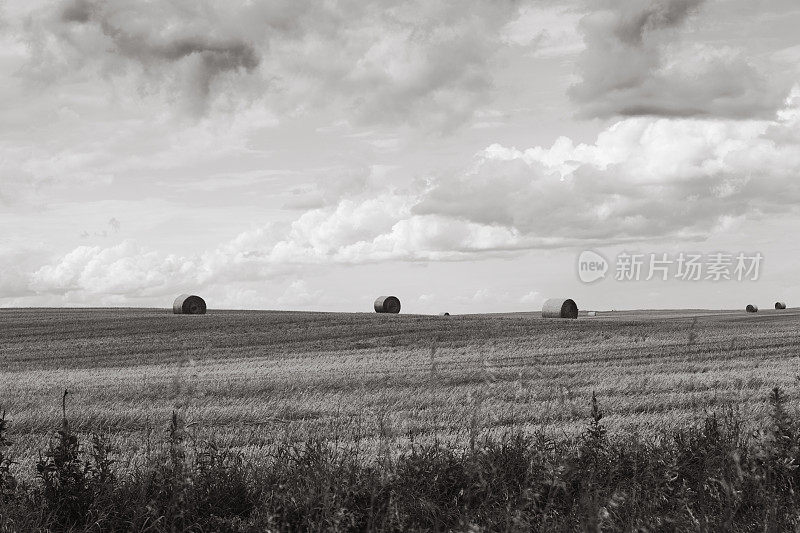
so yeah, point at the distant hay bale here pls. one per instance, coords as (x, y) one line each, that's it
(751, 308)
(780, 305)
(444, 314)
(560, 308)
(387, 304)
(189, 304)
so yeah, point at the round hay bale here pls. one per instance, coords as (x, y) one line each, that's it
(387, 304)
(444, 314)
(751, 308)
(780, 305)
(560, 308)
(189, 304)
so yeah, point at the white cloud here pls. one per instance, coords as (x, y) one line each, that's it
(389, 62)
(635, 63)
(642, 179)
(122, 269)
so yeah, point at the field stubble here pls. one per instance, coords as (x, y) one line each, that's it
(247, 379)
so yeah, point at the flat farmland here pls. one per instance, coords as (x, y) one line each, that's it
(248, 378)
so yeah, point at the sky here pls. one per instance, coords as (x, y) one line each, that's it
(461, 155)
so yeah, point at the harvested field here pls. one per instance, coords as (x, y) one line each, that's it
(251, 377)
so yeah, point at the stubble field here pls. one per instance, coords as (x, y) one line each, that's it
(249, 378)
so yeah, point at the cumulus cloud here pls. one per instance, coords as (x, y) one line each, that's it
(125, 268)
(422, 62)
(643, 178)
(132, 269)
(635, 63)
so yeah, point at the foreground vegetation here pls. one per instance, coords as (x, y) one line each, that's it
(711, 476)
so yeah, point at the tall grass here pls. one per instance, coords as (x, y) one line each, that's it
(7, 482)
(710, 476)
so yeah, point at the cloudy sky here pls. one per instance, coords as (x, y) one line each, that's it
(298, 154)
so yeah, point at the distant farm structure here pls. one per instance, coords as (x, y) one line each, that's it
(189, 304)
(387, 304)
(560, 308)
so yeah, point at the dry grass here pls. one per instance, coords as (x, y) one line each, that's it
(247, 377)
